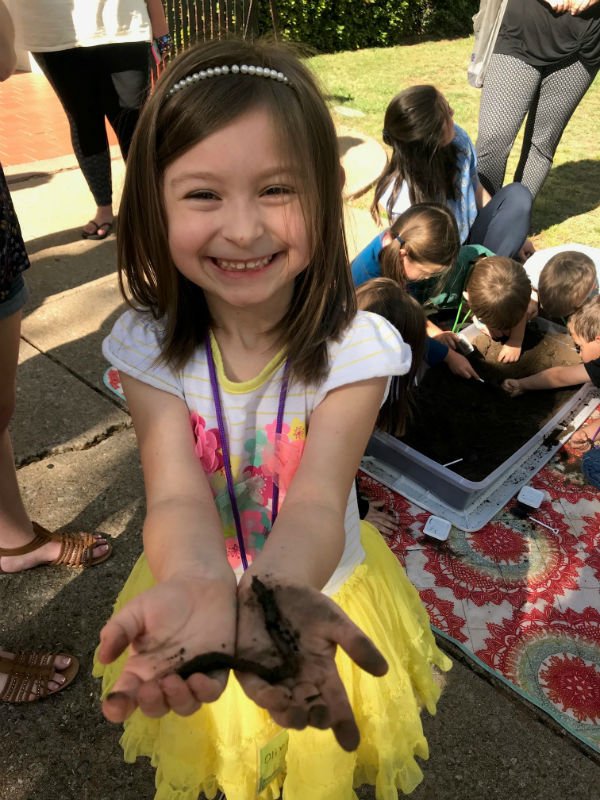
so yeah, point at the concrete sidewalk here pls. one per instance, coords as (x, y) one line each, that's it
(79, 469)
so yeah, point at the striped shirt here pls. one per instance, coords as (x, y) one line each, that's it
(370, 348)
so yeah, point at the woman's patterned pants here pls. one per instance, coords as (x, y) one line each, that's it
(513, 89)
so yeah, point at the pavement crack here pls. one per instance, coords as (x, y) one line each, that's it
(98, 390)
(61, 449)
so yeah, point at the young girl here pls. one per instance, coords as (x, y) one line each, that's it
(419, 248)
(421, 251)
(254, 385)
(434, 160)
(391, 301)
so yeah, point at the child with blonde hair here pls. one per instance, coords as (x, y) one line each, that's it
(584, 327)
(422, 243)
(254, 385)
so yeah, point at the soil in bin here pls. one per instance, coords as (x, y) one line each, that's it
(479, 422)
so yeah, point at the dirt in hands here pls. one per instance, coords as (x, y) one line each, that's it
(479, 422)
(285, 641)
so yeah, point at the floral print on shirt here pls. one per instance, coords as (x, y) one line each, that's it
(269, 459)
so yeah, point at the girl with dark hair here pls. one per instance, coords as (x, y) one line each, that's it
(391, 301)
(254, 385)
(433, 160)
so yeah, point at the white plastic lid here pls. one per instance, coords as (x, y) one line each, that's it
(437, 528)
(531, 497)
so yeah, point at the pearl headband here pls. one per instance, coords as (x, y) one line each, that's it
(234, 69)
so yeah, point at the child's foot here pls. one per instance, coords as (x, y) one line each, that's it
(32, 676)
(586, 437)
(72, 549)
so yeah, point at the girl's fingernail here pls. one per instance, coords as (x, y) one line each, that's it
(117, 696)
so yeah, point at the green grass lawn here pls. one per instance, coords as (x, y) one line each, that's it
(568, 207)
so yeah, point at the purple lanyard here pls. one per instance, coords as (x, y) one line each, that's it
(225, 448)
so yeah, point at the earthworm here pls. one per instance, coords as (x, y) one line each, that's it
(283, 637)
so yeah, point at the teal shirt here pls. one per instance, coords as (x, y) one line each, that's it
(456, 278)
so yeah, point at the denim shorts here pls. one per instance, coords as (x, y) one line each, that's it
(16, 299)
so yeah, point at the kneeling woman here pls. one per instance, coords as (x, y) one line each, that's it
(434, 160)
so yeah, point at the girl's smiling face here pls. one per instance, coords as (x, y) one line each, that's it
(235, 220)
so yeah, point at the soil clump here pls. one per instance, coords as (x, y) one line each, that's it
(479, 422)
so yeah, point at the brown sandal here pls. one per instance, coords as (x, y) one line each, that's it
(76, 548)
(31, 673)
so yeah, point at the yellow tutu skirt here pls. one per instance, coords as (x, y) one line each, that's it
(218, 746)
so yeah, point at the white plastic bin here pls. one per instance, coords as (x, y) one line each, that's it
(443, 483)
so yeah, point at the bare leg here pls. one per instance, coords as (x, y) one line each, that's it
(15, 526)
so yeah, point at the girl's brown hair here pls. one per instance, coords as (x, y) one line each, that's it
(323, 302)
(389, 299)
(414, 123)
(429, 235)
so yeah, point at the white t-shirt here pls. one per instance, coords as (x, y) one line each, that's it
(464, 206)
(44, 26)
(370, 348)
(403, 201)
(536, 263)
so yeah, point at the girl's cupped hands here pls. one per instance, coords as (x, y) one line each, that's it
(182, 641)
(293, 631)
(164, 628)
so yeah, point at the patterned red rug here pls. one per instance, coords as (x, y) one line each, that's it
(521, 600)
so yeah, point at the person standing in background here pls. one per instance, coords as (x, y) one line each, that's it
(546, 56)
(25, 676)
(96, 56)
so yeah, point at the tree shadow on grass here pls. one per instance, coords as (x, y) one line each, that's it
(571, 189)
(339, 98)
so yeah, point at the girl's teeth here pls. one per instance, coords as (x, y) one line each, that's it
(241, 266)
